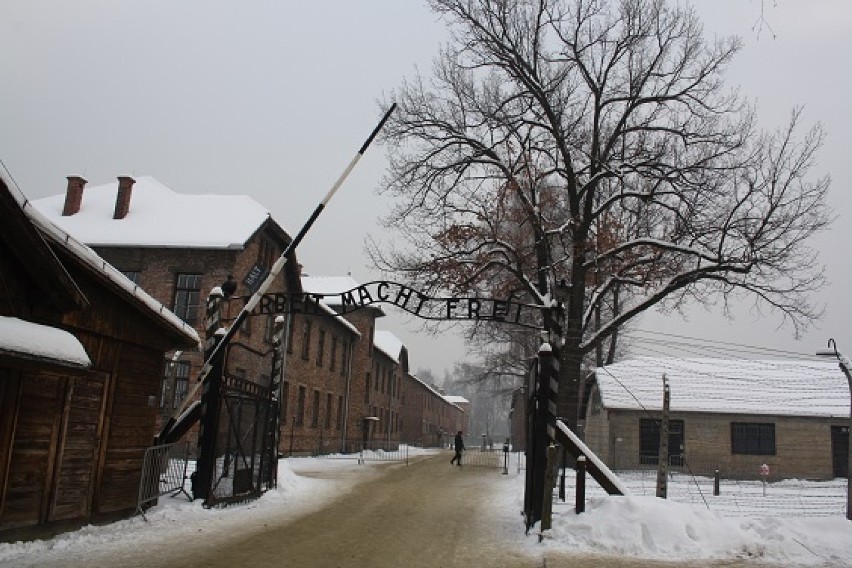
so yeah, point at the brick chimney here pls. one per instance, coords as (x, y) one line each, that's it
(73, 195)
(122, 199)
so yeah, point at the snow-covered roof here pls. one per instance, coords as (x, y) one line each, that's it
(158, 217)
(327, 285)
(455, 399)
(429, 388)
(93, 260)
(28, 340)
(388, 343)
(816, 388)
(343, 321)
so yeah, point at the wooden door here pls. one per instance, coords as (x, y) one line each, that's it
(37, 411)
(79, 445)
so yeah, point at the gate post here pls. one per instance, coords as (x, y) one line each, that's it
(663, 465)
(282, 330)
(580, 490)
(541, 427)
(547, 498)
(202, 479)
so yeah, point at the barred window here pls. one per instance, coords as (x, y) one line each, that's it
(329, 401)
(320, 347)
(367, 390)
(315, 417)
(266, 253)
(754, 439)
(300, 407)
(181, 381)
(177, 372)
(187, 297)
(306, 341)
(649, 441)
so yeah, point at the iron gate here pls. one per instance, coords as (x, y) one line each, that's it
(238, 437)
(244, 445)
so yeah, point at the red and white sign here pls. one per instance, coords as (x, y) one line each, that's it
(764, 470)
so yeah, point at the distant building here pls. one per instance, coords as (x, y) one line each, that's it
(382, 386)
(730, 415)
(369, 367)
(429, 420)
(463, 421)
(81, 356)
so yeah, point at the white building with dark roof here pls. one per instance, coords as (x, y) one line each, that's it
(731, 415)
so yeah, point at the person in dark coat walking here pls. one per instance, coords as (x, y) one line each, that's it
(459, 444)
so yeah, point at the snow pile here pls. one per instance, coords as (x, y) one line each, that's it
(178, 519)
(658, 529)
(654, 528)
(645, 527)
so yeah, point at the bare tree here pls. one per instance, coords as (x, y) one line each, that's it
(594, 144)
(490, 403)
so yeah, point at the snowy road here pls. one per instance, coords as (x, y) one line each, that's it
(334, 513)
(426, 514)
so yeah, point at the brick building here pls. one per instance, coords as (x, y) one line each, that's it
(384, 400)
(370, 367)
(407, 410)
(177, 247)
(429, 420)
(317, 385)
(462, 420)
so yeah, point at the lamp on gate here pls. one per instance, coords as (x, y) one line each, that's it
(846, 367)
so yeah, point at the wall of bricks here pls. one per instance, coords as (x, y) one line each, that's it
(317, 379)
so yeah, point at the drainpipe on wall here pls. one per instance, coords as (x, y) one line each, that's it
(349, 349)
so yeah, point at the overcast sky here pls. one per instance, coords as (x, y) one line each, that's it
(272, 99)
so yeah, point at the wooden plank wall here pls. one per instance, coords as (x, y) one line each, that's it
(130, 429)
(33, 450)
(79, 444)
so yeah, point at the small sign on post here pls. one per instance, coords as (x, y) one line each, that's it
(763, 470)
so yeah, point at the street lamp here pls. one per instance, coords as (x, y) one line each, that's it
(846, 367)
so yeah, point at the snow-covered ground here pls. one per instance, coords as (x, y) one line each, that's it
(796, 524)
